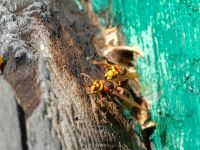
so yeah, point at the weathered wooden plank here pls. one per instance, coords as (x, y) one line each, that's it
(9, 122)
(50, 44)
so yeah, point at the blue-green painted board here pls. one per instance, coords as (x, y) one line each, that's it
(169, 34)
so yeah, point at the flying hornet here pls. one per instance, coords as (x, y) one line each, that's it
(105, 88)
(113, 71)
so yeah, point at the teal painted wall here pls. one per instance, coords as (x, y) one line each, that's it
(169, 34)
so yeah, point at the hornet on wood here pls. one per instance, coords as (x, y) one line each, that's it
(110, 88)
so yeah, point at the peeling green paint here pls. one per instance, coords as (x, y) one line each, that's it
(168, 32)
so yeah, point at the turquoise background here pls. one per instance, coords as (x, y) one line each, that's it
(168, 33)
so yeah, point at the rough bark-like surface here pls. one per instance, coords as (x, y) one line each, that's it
(46, 47)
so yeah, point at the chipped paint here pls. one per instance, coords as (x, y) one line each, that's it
(168, 32)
